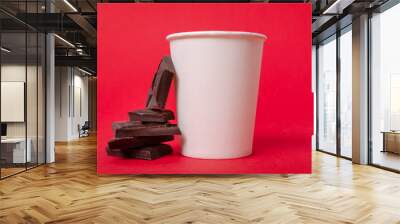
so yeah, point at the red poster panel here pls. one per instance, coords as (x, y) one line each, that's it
(131, 42)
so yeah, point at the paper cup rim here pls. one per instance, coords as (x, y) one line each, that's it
(215, 34)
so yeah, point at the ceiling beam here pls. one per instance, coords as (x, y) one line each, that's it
(84, 24)
(81, 61)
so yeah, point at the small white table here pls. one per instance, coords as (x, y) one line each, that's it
(18, 150)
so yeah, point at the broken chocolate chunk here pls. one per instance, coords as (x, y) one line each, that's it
(114, 152)
(125, 124)
(136, 142)
(161, 84)
(148, 115)
(148, 152)
(142, 136)
(147, 130)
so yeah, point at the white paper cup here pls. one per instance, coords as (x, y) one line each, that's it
(217, 86)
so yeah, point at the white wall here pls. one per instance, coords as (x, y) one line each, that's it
(16, 73)
(12, 101)
(80, 103)
(71, 94)
(62, 82)
(12, 73)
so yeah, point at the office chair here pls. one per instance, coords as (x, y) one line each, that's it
(84, 130)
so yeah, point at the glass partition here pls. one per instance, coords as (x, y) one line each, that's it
(327, 95)
(41, 97)
(346, 93)
(14, 153)
(385, 89)
(314, 85)
(31, 100)
(22, 77)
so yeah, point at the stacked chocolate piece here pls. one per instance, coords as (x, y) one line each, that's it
(145, 134)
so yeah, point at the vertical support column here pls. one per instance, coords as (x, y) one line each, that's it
(50, 92)
(314, 91)
(338, 98)
(92, 99)
(0, 100)
(63, 120)
(360, 89)
(316, 97)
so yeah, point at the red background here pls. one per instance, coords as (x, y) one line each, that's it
(131, 42)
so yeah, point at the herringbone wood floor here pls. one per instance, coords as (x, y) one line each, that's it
(69, 191)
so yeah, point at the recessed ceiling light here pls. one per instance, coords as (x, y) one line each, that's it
(5, 50)
(84, 71)
(70, 5)
(64, 40)
(337, 7)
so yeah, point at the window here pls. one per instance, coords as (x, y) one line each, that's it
(385, 89)
(327, 96)
(346, 93)
(335, 74)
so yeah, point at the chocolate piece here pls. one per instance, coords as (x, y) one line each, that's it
(158, 93)
(148, 115)
(125, 124)
(149, 152)
(114, 152)
(136, 142)
(141, 137)
(147, 130)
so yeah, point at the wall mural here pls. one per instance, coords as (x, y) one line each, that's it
(204, 88)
